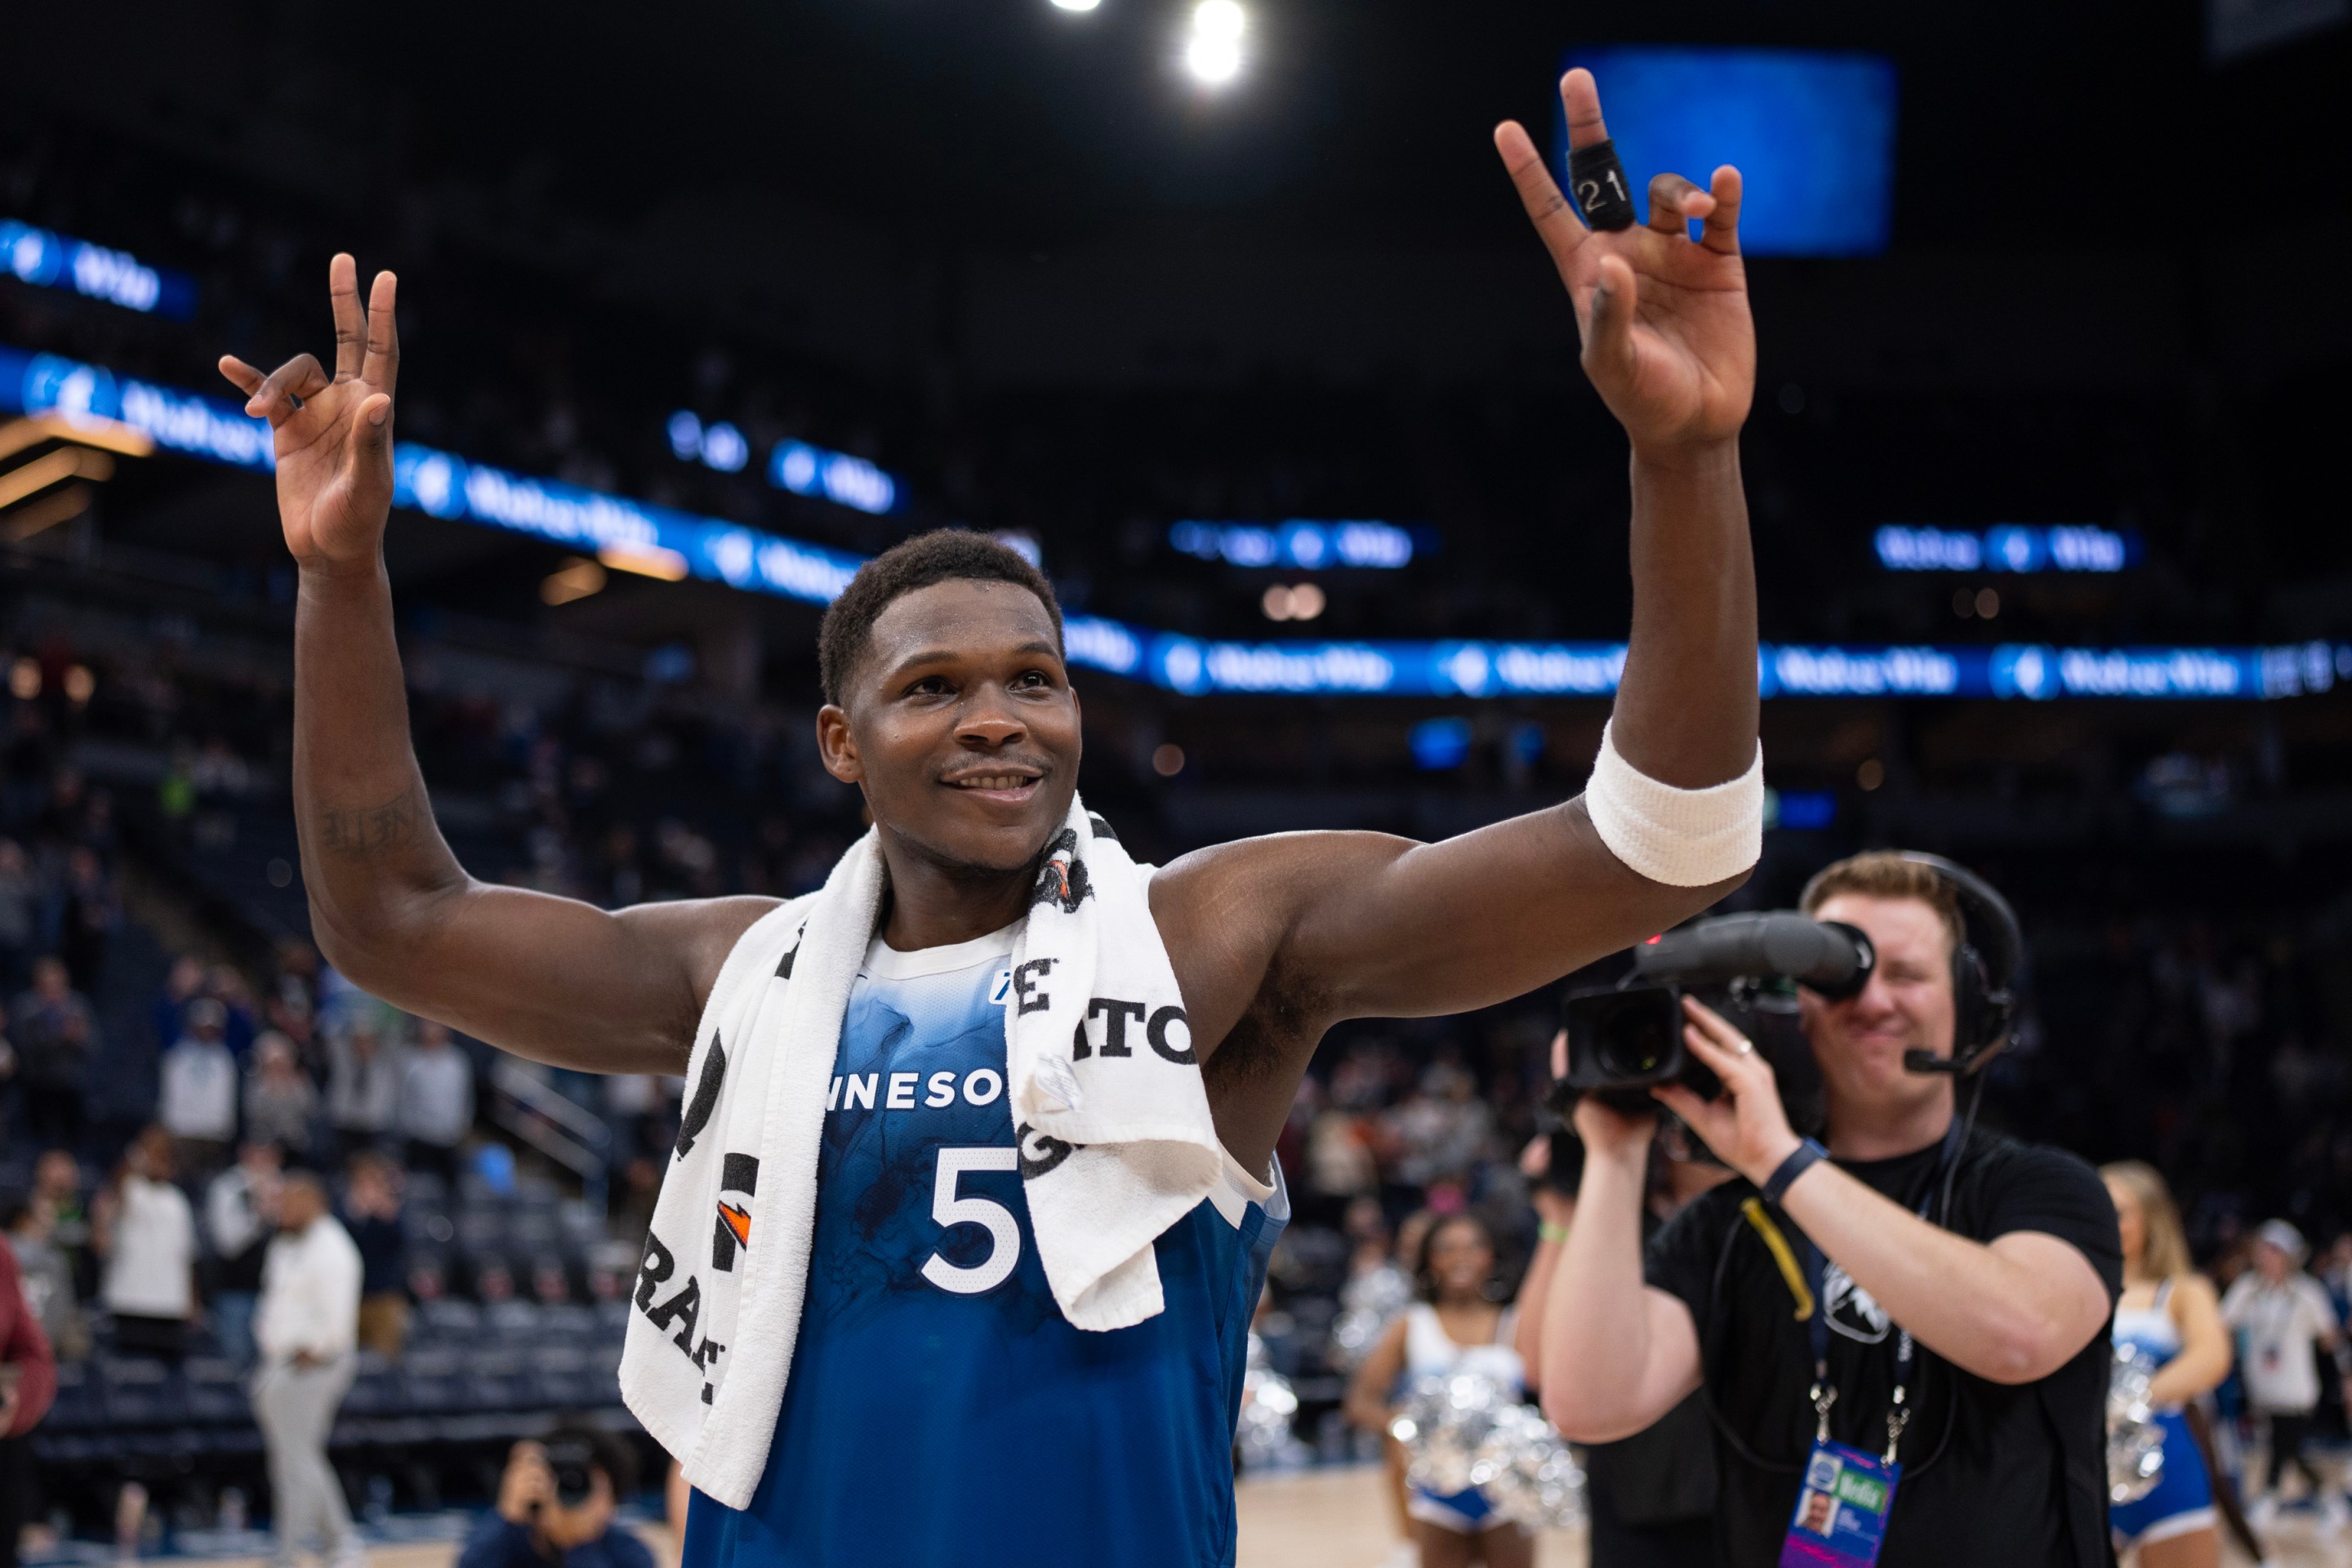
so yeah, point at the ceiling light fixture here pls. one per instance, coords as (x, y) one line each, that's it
(1213, 54)
(1075, 5)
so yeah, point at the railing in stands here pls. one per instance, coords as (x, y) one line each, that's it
(567, 1134)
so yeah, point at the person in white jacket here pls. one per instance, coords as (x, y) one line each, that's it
(306, 1329)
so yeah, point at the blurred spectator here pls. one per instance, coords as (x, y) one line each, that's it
(48, 1278)
(556, 1504)
(54, 1030)
(57, 1199)
(2285, 1316)
(19, 902)
(1340, 1163)
(1443, 1130)
(304, 1329)
(181, 985)
(293, 1005)
(28, 1381)
(217, 771)
(362, 1087)
(281, 1104)
(372, 1214)
(241, 1211)
(198, 1103)
(240, 1022)
(147, 1234)
(437, 1100)
(90, 913)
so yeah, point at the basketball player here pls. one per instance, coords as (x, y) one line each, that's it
(927, 1424)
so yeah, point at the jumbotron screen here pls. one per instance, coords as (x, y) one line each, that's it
(1813, 134)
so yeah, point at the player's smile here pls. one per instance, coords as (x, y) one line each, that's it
(1004, 783)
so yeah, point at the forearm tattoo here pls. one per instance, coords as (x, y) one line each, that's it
(371, 832)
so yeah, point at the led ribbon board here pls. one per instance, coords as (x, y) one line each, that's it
(841, 478)
(206, 427)
(2010, 547)
(1300, 542)
(444, 485)
(50, 260)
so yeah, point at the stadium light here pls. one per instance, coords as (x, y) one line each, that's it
(1213, 54)
(1075, 5)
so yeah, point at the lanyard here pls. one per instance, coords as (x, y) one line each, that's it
(1825, 1393)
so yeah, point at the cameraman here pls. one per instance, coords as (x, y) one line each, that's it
(555, 1507)
(2001, 1259)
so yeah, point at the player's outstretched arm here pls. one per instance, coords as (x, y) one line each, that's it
(1294, 933)
(548, 978)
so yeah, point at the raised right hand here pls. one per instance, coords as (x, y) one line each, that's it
(333, 438)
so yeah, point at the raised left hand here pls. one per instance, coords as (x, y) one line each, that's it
(1667, 339)
(1745, 1126)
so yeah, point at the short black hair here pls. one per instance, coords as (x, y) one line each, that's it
(942, 555)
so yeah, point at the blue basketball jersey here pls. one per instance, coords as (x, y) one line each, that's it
(940, 1409)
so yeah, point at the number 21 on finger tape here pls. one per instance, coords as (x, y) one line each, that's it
(1841, 1508)
(1598, 179)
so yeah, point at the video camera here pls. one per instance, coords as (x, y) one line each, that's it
(574, 1464)
(1625, 1040)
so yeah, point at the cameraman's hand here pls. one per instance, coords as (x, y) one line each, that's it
(1746, 1126)
(1608, 1132)
(528, 1488)
(1612, 1134)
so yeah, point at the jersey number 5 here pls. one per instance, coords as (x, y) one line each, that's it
(949, 1208)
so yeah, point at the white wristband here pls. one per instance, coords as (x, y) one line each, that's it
(1683, 838)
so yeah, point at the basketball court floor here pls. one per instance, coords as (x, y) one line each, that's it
(1342, 1519)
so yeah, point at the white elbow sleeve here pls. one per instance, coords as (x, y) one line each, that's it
(1683, 838)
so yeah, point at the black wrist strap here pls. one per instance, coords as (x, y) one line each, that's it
(1802, 1159)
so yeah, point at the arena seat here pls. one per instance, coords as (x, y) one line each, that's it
(567, 1323)
(217, 1392)
(140, 1392)
(431, 1383)
(449, 1320)
(516, 1320)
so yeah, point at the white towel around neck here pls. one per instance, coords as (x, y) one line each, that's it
(1106, 1102)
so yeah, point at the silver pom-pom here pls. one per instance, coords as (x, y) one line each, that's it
(1263, 1435)
(1468, 1431)
(1368, 1305)
(2135, 1437)
(1529, 1473)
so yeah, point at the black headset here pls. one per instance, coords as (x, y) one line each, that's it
(1984, 972)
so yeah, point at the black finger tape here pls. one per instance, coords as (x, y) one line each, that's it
(1598, 181)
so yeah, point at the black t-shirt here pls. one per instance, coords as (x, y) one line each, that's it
(2012, 1475)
